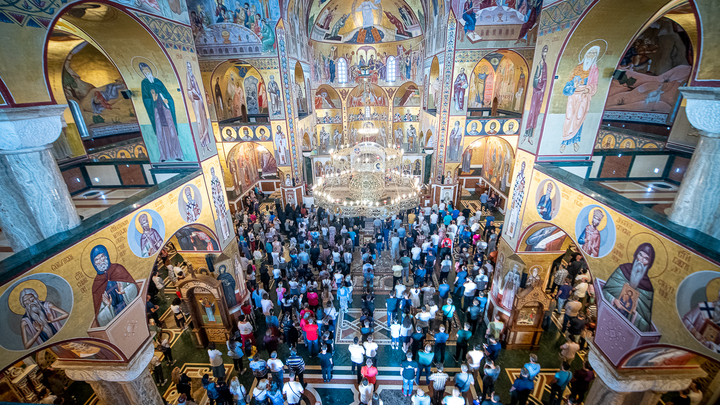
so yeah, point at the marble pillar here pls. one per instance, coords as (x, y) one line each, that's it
(696, 204)
(34, 200)
(614, 386)
(127, 383)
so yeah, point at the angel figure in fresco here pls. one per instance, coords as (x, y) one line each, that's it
(579, 90)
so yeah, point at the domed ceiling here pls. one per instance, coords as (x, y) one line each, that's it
(365, 21)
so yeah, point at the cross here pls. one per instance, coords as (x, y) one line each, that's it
(708, 307)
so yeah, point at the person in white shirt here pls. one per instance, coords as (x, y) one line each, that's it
(276, 366)
(216, 362)
(171, 273)
(442, 206)
(371, 350)
(399, 289)
(357, 356)
(470, 287)
(433, 218)
(454, 399)
(474, 358)
(395, 334)
(427, 211)
(366, 391)
(293, 390)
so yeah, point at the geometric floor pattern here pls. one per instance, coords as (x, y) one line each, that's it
(349, 327)
(541, 383)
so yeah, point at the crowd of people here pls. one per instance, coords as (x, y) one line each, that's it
(299, 264)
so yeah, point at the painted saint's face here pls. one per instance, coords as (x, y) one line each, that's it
(101, 263)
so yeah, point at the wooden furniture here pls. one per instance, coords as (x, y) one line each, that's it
(525, 326)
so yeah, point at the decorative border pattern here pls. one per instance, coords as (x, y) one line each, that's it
(447, 85)
(636, 116)
(561, 15)
(172, 36)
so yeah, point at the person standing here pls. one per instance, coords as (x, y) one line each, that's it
(559, 278)
(473, 314)
(580, 383)
(559, 382)
(158, 371)
(296, 365)
(439, 379)
(293, 391)
(357, 356)
(493, 398)
(568, 351)
(521, 388)
(366, 391)
(448, 311)
(491, 372)
(532, 367)
(408, 371)
(474, 359)
(463, 382)
(495, 328)
(326, 363)
(425, 359)
(461, 345)
(276, 367)
(369, 372)
(216, 362)
(371, 350)
(420, 398)
(311, 334)
(391, 304)
(440, 342)
(235, 352)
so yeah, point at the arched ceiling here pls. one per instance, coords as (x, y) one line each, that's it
(365, 21)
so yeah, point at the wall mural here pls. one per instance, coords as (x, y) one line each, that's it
(190, 203)
(146, 233)
(194, 238)
(364, 22)
(221, 213)
(548, 238)
(388, 64)
(244, 27)
(492, 126)
(94, 84)
(547, 199)
(655, 66)
(496, 157)
(93, 287)
(505, 22)
(639, 274)
(501, 76)
(34, 309)
(196, 100)
(248, 162)
(239, 90)
(246, 133)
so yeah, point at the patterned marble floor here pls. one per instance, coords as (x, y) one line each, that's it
(658, 195)
(87, 203)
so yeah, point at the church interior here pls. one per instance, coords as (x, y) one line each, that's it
(191, 190)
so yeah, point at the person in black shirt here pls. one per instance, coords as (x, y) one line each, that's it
(326, 363)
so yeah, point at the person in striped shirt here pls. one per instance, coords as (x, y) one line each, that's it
(296, 365)
(439, 379)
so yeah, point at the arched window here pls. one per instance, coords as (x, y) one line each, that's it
(391, 69)
(342, 70)
(367, 112)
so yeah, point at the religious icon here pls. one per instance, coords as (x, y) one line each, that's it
(39, 306)
(580, 90)
(190, 203)
(698, 296)
(517, 201)
(209, 308)
(113, 287)
(545, 204)
(146, 233)
(197, 103)
(596, 231)
(160, 108)
(630, 290)
(218, 195)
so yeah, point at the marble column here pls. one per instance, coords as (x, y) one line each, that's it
(614, 386)
(34, 200)
(128, 383)
(696, 204)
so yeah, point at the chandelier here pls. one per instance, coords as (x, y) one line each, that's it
(368, 188)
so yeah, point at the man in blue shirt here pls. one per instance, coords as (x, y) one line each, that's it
(521, 388)
(563, 294)
(408, 370)
(425, 360)
(459, 281)
(447, 219)
(352, 236)
(473, 315)
(532, 367)
(440, 341)
(443, 290)
(492, 348)
(392, 304)
(484, 199)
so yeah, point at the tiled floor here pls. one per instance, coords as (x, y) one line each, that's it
(658, 195)
(87, 203)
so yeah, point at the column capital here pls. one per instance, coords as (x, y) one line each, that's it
(640, 380)
(90, 371)
(703, 109)
(30, 127)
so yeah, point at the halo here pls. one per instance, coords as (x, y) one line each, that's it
(603, 222)
(137, 220)
(135, 62)
(14, 298)
(357, 15)
(86, 263)
(233, 134)
(661, 256)
(712, 289)
(599, 42)
(498, 127)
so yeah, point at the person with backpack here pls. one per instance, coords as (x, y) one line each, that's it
(559, 382)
